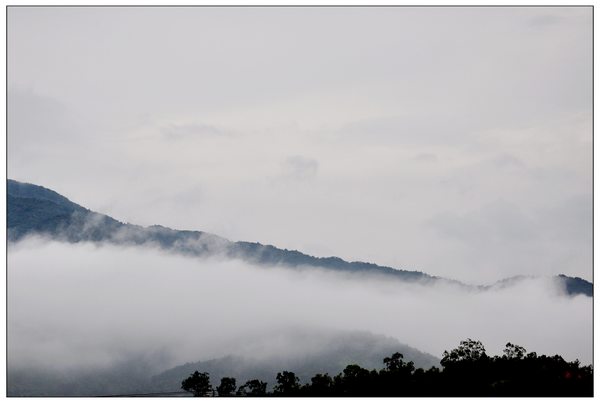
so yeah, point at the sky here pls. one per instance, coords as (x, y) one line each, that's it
(454, 141)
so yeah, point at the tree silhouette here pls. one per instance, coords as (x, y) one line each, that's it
(198, 384)
(355, 381)
(253, 387)
(396, 365)
(288, 384)
(466, 371)
(468, 350)
(395, 378)
(321, 385)
(512, 351)
(227, 387)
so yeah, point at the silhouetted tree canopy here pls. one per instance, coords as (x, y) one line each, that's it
(226, 387)
(468, 350)
(466, 371)
(198, 384)
(288, 384)
(253, 387)
(513, 351)
(320, 385)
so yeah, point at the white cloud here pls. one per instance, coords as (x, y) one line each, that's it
(300, 168)
(80, 305)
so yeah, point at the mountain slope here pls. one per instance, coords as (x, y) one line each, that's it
(364, 349)
(576, 285)
(139, 376)
(35, 210)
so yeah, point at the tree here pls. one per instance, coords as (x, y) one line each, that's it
(396, 364)
(198, 384)
(395, 378)
(227, 387)
(512, 351)
(467, 370)
(468, 350)
(355, 381)
(321, 385)
(253, 387)
(288, 384)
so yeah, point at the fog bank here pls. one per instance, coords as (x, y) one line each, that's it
(87, 306)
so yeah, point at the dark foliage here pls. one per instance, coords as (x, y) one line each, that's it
(288, 384)
(198, 384)
(227, 387)
(467, 371)
(253, 388)
(321, 385)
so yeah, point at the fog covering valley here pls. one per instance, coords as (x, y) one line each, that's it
(98, 307)
(76, 308)
(257, 189)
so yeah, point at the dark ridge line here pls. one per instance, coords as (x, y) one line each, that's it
(253, 252)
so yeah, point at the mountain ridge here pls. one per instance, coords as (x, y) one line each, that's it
(141, 375)
(34, 209)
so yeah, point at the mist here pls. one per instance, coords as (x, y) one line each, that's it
(453, 141)
(89, 306)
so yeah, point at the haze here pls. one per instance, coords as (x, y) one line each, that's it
(82, 306)
(454, 141)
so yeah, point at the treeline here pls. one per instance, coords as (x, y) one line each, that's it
(466, 371)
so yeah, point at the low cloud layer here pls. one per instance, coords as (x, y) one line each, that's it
(85, 306)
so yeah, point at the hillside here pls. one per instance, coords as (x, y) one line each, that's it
(137, 376)
(35, 210)
(363, 349)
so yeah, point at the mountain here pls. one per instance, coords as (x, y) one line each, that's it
(35, 210)
(337, 351)
(139, 375)
(576, 285)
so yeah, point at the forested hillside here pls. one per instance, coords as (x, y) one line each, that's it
(35, 210)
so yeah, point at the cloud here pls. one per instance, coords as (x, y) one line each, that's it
(508, 161)
(300, 168)
(545, 20)
(410, 129)
(85, 306)
(500, 221)
(181, 131)
(503, 234)
(36, 122)
(426, 157)
(505, 109)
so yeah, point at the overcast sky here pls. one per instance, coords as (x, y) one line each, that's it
(455, 141)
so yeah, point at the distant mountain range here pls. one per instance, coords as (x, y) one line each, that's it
(137, 376)
(338, 350)
(35, 210)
